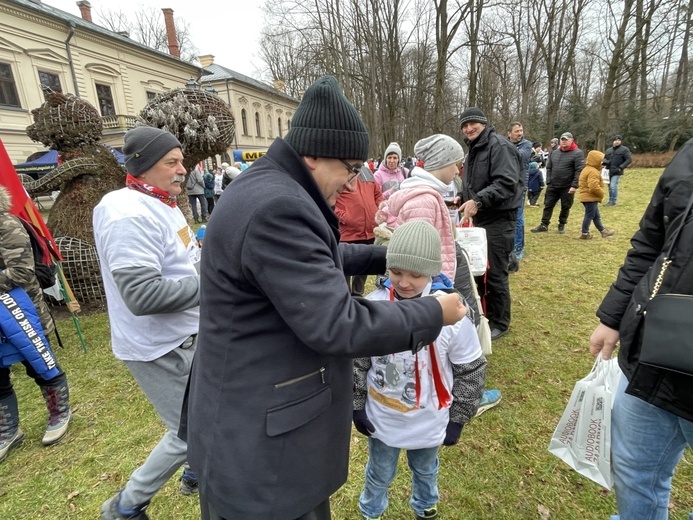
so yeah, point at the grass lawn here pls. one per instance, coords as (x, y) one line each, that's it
(500, 470)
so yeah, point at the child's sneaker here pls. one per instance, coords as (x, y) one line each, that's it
(490, 399)
(428, 514)
(111, 510)
(188, 483)
(372, 517)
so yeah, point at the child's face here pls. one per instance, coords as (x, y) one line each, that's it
(407, 283)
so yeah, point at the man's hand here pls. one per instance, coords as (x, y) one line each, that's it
(468, 209)
(453, 309)
(572, 190)
(603, 340)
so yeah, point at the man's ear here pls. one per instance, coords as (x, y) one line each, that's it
(311, 162)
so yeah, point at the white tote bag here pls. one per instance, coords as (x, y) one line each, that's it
(582, 438)
(605, 175)
(473, 241)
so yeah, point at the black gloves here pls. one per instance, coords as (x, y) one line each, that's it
(363, 424)
(452, 432)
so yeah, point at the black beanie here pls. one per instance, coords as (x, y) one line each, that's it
(144, 146)
(326, 125)
(473, 115)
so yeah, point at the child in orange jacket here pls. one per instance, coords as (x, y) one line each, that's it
(590, 193)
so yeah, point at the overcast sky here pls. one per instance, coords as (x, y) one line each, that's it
(228, 29)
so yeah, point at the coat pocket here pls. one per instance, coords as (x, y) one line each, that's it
(289, 416)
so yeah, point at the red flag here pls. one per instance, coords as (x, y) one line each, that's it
(22, 205)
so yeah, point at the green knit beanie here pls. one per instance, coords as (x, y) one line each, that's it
(415, 246)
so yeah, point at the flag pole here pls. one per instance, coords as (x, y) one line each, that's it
(72, 304)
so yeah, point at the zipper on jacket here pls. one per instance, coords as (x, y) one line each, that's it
(320, 371)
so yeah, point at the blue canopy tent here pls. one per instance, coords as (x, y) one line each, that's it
(47, 162)
(40, 166)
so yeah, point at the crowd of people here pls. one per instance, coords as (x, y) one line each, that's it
(289, 351)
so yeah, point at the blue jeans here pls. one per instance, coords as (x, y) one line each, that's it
(613, 188)
(381, 470)
(646, 445)
(520, 229)
(591, 215)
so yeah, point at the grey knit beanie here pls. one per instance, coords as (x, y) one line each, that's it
(393, 148)
(438, 151)
(144, 146)
(473, 115)
(326, 124)
(415, 246)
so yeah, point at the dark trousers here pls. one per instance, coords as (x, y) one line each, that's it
(591, 215)
(553, 195)
(500, 234)
(533, 197)
(6, 384)
(322, 512)
(210, 204)
(357, 284)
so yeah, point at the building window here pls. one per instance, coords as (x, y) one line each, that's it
(257, 124)
(48, 79)
(244, 120)
(151, 96)
(8, 89)
(279, 126)
(269, 126)
(103, 93)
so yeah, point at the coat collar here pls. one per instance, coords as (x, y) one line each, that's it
(288, 162)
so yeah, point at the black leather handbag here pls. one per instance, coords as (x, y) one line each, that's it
(667, 338)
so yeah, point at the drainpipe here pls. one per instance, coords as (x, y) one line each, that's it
(72, 26)
(235, 132)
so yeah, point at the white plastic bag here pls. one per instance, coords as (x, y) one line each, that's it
(582, 438)
(605, 175)
(473, 241)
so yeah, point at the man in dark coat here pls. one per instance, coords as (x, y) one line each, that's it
(516, 134)
(617, 158)
(562, 175)
(492, 193)
(270, 403)
(652, 416)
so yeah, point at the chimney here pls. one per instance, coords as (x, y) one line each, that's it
(206, 60)
(173, 49)
(280, 85)
(85, 9)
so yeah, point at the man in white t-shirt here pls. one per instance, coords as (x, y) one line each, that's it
(150, 267)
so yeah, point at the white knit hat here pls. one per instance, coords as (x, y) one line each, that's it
(438, 151)
(393, 148)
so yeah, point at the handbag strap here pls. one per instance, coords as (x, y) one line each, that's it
(667, 256)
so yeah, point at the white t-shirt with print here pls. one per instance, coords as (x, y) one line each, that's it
(135, 230)
(391, 382)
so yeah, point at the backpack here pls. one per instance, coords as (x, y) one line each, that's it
(192, 181)
(45, 255)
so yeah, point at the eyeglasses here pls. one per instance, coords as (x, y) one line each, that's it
(355, 170)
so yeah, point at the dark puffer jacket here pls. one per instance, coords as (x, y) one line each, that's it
(617, 158)
(564, 167)
(492, 173)
(626, 301)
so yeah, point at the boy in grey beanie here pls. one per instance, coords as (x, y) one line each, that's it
(426, 398)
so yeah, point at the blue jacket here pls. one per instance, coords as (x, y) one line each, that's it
(21, 335)
(536, 180)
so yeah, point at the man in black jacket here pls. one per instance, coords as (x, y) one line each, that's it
(562, 175)
(491, 193)
(652, 415)
(271, 390)
(617, 158)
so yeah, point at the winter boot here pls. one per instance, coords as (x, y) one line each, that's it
(11, 435)
(57, 396)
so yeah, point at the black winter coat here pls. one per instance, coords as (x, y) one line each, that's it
(271, 389)
(617, 159)
(492, 174)
(624, 304)
(563, 169)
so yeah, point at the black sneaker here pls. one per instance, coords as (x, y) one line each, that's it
(188, 484)
(541, 228)
(110, 510)
(429, 514)
(561, 229)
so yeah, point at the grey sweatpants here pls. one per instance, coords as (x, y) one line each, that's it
(163, 381)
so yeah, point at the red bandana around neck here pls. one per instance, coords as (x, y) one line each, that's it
(134, 183)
